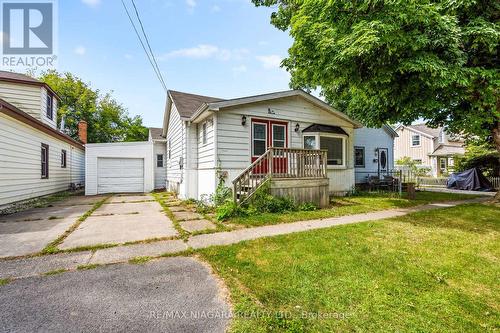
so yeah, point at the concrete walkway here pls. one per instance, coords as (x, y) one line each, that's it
(39, 265)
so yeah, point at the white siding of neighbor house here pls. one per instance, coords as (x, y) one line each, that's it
(20, 162)
(402, 146)
(176, 136)
(142, 150)
(160, 173)
(29, 98)
(233, 140)
(371, 139)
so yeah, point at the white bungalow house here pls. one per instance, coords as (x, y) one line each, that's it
(36, 158)
(246, 140)
(373, 152)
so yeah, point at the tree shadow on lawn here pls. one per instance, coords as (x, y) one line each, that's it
(475, 218)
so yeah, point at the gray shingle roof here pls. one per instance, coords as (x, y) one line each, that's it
(156, 133)
(187, 104)
(5, 75)
(434, 132)
(448, 150)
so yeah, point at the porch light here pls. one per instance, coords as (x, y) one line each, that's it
(243, 120)
(297, 127)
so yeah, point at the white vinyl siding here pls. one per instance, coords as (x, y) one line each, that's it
(20, 162)
(176, 136)
(206, 150)
(402, 146)
(31, 99)
(160, 172)
(233, 139)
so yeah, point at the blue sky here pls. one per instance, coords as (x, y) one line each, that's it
(222, 48)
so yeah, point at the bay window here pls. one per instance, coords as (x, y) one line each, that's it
(335, 145)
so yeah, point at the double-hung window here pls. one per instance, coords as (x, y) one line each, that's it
(159, 160)
(45, 161)
(259, 138)
(415, 140)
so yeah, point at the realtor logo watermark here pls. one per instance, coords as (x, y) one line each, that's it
(29, 31)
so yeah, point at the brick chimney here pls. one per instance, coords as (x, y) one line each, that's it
(82, 131)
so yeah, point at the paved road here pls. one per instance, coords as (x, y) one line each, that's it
(163, 295)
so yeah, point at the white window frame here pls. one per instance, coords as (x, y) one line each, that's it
(419, 140)
(253, 139)
(318, 136)
(284, 133)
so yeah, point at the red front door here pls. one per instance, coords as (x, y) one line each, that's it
(265, 134)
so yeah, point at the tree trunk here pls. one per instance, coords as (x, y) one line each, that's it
(496, 140)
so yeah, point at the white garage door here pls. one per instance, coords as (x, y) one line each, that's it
(115, 175)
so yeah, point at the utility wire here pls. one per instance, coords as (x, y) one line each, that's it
(155, 68)
(147, 42)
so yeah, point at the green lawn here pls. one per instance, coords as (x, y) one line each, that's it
(434, 271)
(367, 202)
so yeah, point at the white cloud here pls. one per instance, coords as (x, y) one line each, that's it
(205, 51)
(80, 50)
(92, 3)
(128, 56)
(270, 61)
(191, 3)
(239, 69)
(215, 9)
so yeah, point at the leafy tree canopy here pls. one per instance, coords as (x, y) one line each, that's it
(108, 120)
(479, 155)
(387, 61)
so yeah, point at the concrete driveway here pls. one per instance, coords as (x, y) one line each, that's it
(30, 231)
(121, 219)
(166, 295)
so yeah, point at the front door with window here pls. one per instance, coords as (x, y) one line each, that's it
(265, 134)
(383, 160)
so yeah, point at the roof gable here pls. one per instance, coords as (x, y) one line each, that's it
(187, 104)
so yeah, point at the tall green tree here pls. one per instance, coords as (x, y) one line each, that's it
(387, 61)
(108, 120)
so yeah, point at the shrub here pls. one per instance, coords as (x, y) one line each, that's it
(307, 207)
(227, 210)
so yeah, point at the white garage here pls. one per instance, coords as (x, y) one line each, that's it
(124, 167)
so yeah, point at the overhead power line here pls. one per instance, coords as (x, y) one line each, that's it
(150, 54)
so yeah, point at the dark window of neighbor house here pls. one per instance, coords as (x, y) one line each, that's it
(45, 161)
(159, 160)
(63, 158)
(359, 157)
(50, 106)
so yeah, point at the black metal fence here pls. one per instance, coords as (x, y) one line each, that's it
(390, 181)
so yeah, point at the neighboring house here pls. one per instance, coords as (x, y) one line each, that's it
(210, 139)
(431, 147)
(36, 158)
(373, 152)
(159, 153)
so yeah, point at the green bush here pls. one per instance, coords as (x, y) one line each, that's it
(227, 210)
(307, 207)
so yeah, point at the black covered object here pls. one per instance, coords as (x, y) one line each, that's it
(471, 180)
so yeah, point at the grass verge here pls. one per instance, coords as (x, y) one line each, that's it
(87, 267)
(431, 271)
(55, 272)
(3, 282)
(342, 206)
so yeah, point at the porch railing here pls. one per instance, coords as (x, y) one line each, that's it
(280, 163)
